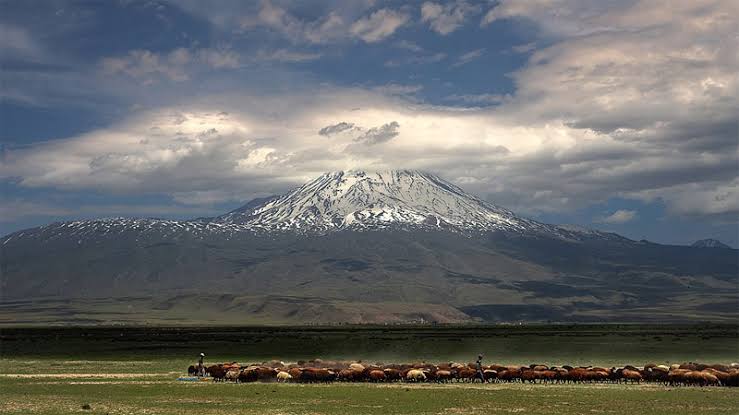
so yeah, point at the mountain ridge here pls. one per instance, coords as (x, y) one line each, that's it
(365, 249)
(353, 200)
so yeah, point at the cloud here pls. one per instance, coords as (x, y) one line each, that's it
(445, 19)
(330, 130)
(232, 146)
(527, 47)
(181, 64)
(338, 25)
(288, 56)
(631, 100)
(378, 25)
(397, 89)
(618, 217)
(329, 28)
(378, 135)
(478, 99)
(408, 45)
(149, 66)
(468, 57)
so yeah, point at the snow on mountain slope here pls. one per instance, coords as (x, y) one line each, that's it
(709, 243)
(350, 200)
(361, 200)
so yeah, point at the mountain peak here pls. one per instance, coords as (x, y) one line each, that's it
(361, 199)
(709, 243)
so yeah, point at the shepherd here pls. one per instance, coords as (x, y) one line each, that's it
(478, 365)
(201, 366)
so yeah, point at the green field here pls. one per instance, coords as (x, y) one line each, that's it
(148, 387)
(134, 371)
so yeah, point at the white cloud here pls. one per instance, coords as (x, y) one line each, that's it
(530, 167)
(378, 25)
(468, 57)
(284, 55)
(180, 64)
(624, 101)
(446, 18)
(408, 45)
(478, 99)
(329, 28)
(149, 66)
(338, 25)
(618, 217)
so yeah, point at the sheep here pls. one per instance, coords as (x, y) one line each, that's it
(392, 374)
(295, 372)
(631, 375)
(466, 374)
(232, 375)
(357, 367)
(283, 377)
(415, 375)
(377, 376)
(510, 375)
(489, 375)
(443, 376)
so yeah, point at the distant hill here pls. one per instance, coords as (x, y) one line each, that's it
(710, 243)
(357, 247)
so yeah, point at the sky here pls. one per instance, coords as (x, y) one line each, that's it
(615, 115)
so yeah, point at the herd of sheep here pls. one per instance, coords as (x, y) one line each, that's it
(329, 371)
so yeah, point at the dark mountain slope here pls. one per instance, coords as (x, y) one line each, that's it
(408, 248)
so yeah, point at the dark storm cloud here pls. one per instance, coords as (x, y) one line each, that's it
(381, 134)
(330, 130)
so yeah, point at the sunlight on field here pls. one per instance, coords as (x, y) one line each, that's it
(58, 386)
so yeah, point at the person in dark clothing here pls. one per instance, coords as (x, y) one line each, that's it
(201, 366)
(478, 365)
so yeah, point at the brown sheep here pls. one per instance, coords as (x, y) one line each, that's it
(248, 375)
(510, 375)
(311, 375)
(733, 379)
(392, 374)
(377, 376)
(677, 376)
(347, 375)
(489, 375)
(216, 372)
(443, 376)
(466, 374)
(295, 372)
(631, 375)
(529, 375)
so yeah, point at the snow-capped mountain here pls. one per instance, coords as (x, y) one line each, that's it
(356, 247)
(370, 200)
(709, 243)
(346, 200)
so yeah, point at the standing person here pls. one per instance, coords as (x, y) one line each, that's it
(480, 375)
(201, 366)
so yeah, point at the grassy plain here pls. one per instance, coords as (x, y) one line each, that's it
(134, 371)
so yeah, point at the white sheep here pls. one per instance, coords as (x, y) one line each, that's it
(415, 375)
(283, 377)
